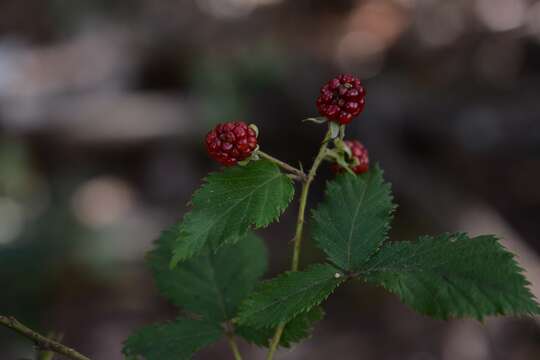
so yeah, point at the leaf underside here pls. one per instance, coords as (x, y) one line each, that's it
(452, 276)
(177, 340)
(354, 220)
(210, 286)
(284, 297)
(229, 204)
(213, 283)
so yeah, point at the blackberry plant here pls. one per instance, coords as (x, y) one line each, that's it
(210, 264)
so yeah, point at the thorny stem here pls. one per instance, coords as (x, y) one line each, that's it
(41, 341)
(299, 231)
(299, 174)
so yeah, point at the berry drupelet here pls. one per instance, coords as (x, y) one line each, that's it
(231, 142)
(360, 158)
(342, 99)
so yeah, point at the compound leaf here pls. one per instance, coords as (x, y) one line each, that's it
(229, 204)
(353, 221)
(453, 275)
(177, 340)
(213, 283)
(284, 297)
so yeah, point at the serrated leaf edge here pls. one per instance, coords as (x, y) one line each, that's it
(339, 282)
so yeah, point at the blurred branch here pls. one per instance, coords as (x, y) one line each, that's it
(42, 342)
(47, 354)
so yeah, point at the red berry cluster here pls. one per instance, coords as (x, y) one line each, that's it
(359, 156)
(342, 99)
(231, 142)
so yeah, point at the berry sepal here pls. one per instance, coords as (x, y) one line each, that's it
(338, 158)
(335, 130)
(253, 157)
(316, 120)
(349, 155)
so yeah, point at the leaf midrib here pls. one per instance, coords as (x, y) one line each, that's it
(349, 240)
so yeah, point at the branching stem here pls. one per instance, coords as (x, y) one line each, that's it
(41, 342)
(299, 174)
(299, 231)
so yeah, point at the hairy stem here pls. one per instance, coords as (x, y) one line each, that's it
(39, 340)
(297, 172)
(299, 231)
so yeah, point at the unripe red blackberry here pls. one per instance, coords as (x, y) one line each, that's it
(231, 142)
(342, 99)
(360, 157)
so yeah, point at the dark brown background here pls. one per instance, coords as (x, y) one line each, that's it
(103, 106)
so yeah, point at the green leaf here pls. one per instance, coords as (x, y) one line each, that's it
(284, 297)
(229, 204)
(353, 221)
(301, 327)
(214, 283)
(296, 330)
(453, 275)
(176, 340)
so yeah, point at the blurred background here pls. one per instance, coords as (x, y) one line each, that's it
(104, 105)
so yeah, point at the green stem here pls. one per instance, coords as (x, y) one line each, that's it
(299, 231)
(303, 202)
(275, 342)
(46, 354)
(297, 172)
(234, 347)
(229, 333)
(41, 341)
(342, 132)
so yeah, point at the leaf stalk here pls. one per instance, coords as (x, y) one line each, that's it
(299, 174)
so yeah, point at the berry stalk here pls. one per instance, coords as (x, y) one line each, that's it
(297, 172)
(300, 229)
